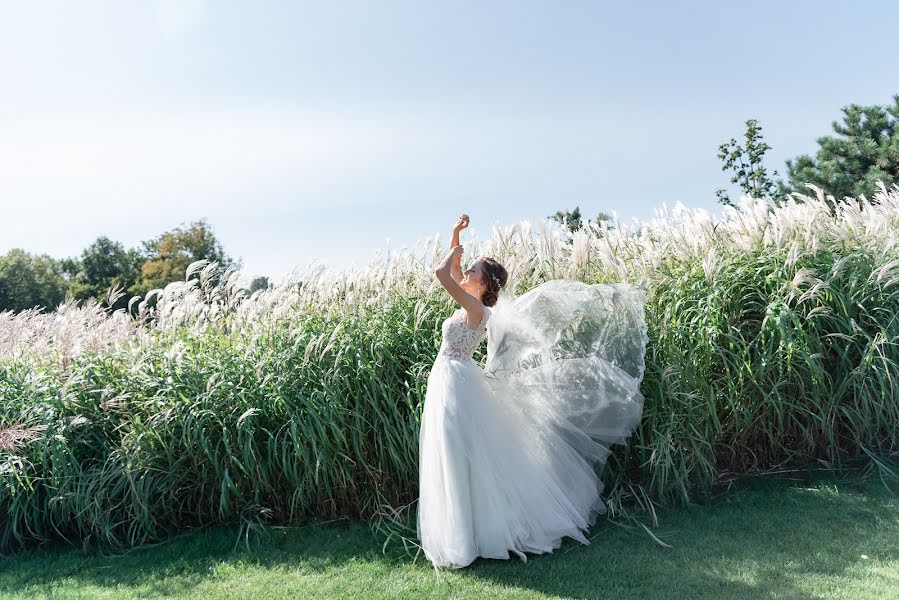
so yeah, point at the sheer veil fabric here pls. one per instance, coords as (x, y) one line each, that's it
(510, 455)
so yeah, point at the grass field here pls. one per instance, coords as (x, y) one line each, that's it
(769, 538)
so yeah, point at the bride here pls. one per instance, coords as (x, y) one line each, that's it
(507, 453)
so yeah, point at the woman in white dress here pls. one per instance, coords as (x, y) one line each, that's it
(507, 454)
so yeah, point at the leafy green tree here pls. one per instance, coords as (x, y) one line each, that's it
(864, 150)
(102, 265)
(259, 283)
(167, 257)
(574, 220)
(747, 164)
(570, 218)
(29, 281)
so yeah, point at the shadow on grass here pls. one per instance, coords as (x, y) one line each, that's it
(767, 540)
(177, 566)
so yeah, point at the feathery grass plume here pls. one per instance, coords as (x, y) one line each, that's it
(14, 437)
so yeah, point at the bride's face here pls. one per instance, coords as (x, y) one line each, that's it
(473, 279)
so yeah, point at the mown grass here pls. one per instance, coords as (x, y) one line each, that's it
(772, 538)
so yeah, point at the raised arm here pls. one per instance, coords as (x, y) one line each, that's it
(472, 305)
(456, 266)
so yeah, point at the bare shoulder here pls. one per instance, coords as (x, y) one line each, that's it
(476, 316)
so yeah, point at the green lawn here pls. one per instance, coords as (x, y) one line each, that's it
(769, 539)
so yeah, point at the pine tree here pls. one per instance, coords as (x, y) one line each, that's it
(864, 150)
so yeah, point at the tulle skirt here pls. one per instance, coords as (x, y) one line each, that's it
(496, 473)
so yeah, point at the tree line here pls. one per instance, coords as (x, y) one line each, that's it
(40, 281)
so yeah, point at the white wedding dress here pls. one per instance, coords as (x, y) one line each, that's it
(507, 453)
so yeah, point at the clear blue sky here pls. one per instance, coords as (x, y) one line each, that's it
(309, 130)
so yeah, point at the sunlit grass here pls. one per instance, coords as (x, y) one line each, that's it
(815, 539)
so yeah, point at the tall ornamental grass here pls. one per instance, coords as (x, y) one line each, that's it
(772, 342)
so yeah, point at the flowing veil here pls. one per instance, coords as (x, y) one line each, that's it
(569, 357)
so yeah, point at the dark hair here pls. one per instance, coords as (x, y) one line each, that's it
(495, 277)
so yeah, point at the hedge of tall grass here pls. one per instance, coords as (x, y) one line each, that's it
(772, 341)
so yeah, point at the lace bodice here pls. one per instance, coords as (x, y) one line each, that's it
(459, 340)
